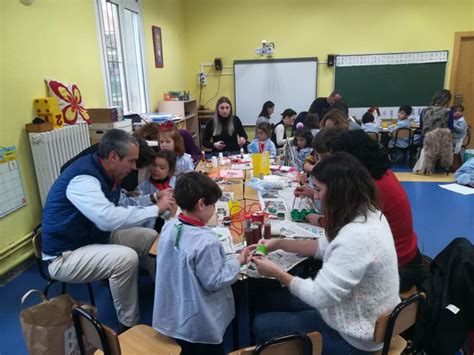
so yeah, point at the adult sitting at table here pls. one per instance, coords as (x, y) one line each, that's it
(358, 280)
(266, 113)
(393, 199)
(87, 237)
(225, 131)
(279, 131)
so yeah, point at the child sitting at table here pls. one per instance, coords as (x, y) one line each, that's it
(302, 146)
(403, 122)
(262, 142)
(171, 140)
(465, 174)
(459, 127)
(161, 178)
(194, 303)
(369, 124)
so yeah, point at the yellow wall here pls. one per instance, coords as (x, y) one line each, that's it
(168, 15)
(40, 41)
(303, 28)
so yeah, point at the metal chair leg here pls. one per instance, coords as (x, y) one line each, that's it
(91, 294)
(63, 288)
(46, 288)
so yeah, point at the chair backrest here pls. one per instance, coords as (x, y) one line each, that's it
(395, 322)
(467, 138)
(297, 344)
(36, 240)
(374, 136)
(90, 330)
(403, 132)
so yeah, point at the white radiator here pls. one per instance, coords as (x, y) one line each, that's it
(52, 149)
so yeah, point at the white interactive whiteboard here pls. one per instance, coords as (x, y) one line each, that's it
(288, 83)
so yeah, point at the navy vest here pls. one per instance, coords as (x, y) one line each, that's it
(64, 227)
(274, 139)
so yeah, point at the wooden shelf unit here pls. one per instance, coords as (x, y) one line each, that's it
(204, 116)
(188, 110)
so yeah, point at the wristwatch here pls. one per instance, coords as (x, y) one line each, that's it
(153, 199)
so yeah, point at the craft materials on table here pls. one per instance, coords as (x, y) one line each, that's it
(286, 261)
(231, 174)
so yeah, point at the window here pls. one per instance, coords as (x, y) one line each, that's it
(122, 47)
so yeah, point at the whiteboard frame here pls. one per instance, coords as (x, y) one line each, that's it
(266, 61)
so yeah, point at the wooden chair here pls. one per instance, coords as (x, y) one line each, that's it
(389, 325)
(374, 136)
(43, 270)
(287, 344)
(140, 339)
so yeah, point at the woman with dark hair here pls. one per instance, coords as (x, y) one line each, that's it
(279, 131)
(267, 110)
(393, 199)
(225, 131)
(358, 280)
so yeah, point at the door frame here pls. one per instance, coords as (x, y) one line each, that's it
(458, 37)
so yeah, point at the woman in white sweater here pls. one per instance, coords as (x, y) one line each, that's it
(359, 277)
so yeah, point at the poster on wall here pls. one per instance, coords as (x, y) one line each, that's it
(157, 46)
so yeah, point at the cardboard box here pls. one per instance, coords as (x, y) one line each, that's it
(39, 127)
(105, 115)
(96, 131)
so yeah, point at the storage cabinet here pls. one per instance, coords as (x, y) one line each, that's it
(188, 111)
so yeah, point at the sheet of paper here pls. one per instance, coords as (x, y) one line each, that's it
(241, 166)
(460, 189)
(231, 174)
(290, 229)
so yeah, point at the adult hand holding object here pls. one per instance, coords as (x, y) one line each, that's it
(241, 141)
(271, 244)
(314, 219)
(304, 191)
(219, 145)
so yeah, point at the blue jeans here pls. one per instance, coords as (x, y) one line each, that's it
(269, 325)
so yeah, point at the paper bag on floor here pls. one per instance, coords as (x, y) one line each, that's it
(47, 326)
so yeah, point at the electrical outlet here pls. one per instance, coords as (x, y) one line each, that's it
(202, 79)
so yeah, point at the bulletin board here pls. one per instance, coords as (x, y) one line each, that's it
(12, 192)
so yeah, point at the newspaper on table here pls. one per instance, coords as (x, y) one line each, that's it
(286, 261)
(293, 230)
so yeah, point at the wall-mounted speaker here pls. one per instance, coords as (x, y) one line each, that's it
(330, 61)
(218, 64)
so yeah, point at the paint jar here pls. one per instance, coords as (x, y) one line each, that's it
(267, 231)
(214, 162)
(261, 250)
(248, 236)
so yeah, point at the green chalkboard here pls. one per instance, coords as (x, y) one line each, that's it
(390, 85)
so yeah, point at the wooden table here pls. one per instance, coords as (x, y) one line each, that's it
(246, 196)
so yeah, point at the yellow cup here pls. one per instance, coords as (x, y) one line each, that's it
(261, 164)
(234, 207)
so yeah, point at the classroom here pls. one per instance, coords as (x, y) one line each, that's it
(197, 47)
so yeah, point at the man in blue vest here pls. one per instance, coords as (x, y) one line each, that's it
(87, 236)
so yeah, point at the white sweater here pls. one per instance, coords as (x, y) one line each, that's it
(358, 281)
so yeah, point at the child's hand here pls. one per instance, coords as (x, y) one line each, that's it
(244, 256)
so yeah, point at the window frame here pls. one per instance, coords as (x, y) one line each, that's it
(134, 6)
